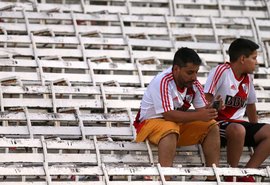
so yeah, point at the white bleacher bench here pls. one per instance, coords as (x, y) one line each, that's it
(222, 8)
(87, 72)
(115, 48)
(94, 125)
(115, 125)
(138, 74)
(165, 32)
(159, 50)
(94, 71)
(262, 27)
(98, 150)
(90, 152)
(72, 75)
(42, 124)
(202, 28)
(124, 175)
(167, 29)
(102, 97)
(84, 96)
(71, 96)
(209, 28)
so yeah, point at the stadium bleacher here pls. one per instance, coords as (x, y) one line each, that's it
(72, 75)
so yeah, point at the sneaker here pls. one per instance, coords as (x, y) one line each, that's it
(73, 177)
(147, 178)
(211, 180)
(246, 179)
(229, 179)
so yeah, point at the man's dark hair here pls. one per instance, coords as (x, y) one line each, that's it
(186, 55)
(241, 47)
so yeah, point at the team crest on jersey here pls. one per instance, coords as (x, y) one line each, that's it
(245, 87)
(189, 98)
(233, 87)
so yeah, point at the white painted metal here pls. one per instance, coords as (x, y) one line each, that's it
(57, 64)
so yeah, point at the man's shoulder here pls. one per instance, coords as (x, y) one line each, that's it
(223, 66)
(164, 76)
(220, 70)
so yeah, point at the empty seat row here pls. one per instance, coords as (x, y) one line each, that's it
(221, 8)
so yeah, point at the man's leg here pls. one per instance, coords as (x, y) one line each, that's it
(211, 148)
(164, 134)
(166, 149)
(235, 135)
(262, 150)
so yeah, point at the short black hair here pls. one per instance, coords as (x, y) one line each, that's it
(186, 55)
(241, 47)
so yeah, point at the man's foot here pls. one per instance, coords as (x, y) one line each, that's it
(211, 180)
(148, 178)
(239, 179)
(245, 179)
(229, 179)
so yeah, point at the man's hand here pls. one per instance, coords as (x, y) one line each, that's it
(218, 103)
(207, 114)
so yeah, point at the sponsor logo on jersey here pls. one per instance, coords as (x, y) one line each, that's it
(245, 87)
(235, 101)
(233, 87)
(189, 98)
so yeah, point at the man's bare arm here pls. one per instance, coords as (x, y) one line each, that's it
(188, 116)
(252, 113)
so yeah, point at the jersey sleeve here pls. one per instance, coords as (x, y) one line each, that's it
(214, 80)
(252, 94)
(199, 100)
(161, 96)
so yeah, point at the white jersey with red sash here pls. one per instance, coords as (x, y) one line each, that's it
(163, 95)
(236, 93)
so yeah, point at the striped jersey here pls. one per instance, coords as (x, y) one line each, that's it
(162, 95)
(236, 93)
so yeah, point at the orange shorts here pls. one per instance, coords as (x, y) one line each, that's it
(190, 133)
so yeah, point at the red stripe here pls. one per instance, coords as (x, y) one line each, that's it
(217, 73)
(160, 89)
(229, 111)
(137, 124)
(217, 76)
(199, 86)
(161, 92)
(164, 91)
(166, 95)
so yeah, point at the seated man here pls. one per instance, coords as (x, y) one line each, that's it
(233, 83)
(164, 120)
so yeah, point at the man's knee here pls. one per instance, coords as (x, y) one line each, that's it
(214, 130)
(212, 136)
(172, 136)
(263, 133)
(235, 130)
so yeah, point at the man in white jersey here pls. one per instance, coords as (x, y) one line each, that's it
(233, 82)
(164, 120)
